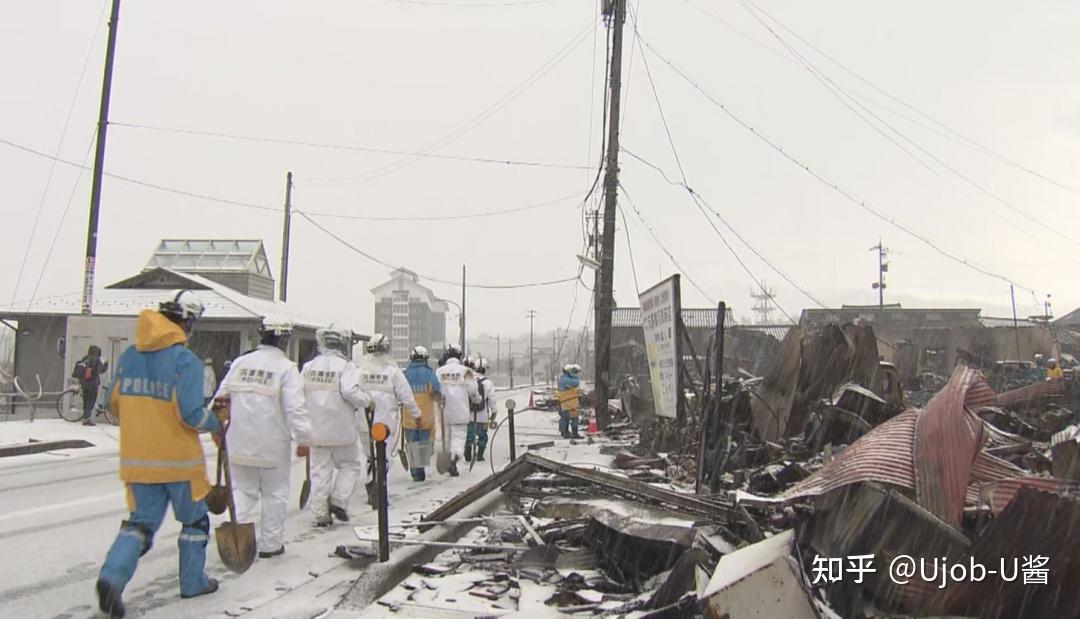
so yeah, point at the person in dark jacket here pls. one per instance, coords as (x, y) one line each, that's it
(88, 372)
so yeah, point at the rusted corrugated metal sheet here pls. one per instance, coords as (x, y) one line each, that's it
(999, 493)
(1034, 524)
(979, 395)
(947, 439)
(882, 455)
(1043, 390)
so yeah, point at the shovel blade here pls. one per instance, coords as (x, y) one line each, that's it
(442, 462)
(305, 492)
(217, 501)
(236, 545)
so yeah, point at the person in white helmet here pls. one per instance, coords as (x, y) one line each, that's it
(267, 412)
(427, 391)
(389, 390)
(459, 390)
(476, 438)
(333, 394)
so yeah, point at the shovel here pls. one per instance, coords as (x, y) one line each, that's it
(217, 501)
(305, 490)
(442, 459)
(235, 541)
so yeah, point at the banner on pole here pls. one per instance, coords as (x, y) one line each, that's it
(660, 312)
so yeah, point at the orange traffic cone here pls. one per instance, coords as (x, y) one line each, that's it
(592, 423)
(530, 399)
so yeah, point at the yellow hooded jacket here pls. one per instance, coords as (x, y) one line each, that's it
(157, 393)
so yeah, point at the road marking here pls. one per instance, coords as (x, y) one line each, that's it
(55, 506)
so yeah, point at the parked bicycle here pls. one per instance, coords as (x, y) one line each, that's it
(70, 405)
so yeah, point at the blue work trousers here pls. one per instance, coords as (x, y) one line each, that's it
(568, 424)
(417, 436)
(478, 432)
(137, 535)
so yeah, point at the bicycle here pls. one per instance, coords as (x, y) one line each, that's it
(69, 405)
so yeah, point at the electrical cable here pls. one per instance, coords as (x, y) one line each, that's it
(483, 116)
(56, 154)
(951, 134)
(661, 245)
(264, 207)
(63, 218)
(348, 147)
(839, 93)
(824, 180)
(698, 202)
(388, 265)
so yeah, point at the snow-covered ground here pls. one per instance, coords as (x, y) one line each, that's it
(60, 511)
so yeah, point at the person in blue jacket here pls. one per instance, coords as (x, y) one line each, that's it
(425, 387)
(568, 401)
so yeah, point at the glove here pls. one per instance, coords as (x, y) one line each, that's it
(419, 422)
(220, 408)
(491, 424)
(302, 451)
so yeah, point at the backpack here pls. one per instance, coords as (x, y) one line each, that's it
(479, 408)
(83, 370)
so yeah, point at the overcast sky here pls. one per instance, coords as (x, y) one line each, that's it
(401, 76)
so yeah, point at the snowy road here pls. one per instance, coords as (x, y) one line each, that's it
(59, 513)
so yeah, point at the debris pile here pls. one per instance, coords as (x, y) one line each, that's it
(790, 495)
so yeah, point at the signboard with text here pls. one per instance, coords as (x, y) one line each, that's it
(660, 310)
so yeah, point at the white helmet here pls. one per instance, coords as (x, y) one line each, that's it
(182, 305)
(378, 343)
(572, 369)
(276, 332)
(419, 353)
(482, 365)
(333, 338)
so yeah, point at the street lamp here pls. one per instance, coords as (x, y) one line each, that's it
(461, 320)
(498, 350)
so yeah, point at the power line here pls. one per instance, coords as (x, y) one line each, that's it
(663, 247)
(352, 148)
(52, 166)
(699, 203)
(388, 265)
(630, 251)
(400, 218)
(484, 115)
(840, 93)
(951, 134)
(822, 179)
(264, 207)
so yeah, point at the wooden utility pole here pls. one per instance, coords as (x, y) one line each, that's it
(286, 230)
(462, 325)
(604, 303)
(883, 267)
(99, 165)
(532, 374)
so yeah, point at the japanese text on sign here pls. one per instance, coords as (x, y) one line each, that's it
(659, 310)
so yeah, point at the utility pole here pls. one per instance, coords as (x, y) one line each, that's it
(883, 267)
(462, 325)
(615, 11)
(286, 230)
(531, 314)
(511, 355)
(99, 165)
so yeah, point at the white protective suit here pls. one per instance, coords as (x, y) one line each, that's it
(491, 408)
(266, 414)
(458, 389)
(389, 390)
(333, 394)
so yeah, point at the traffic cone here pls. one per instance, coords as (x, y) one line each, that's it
(592, 423)
(530, 399)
